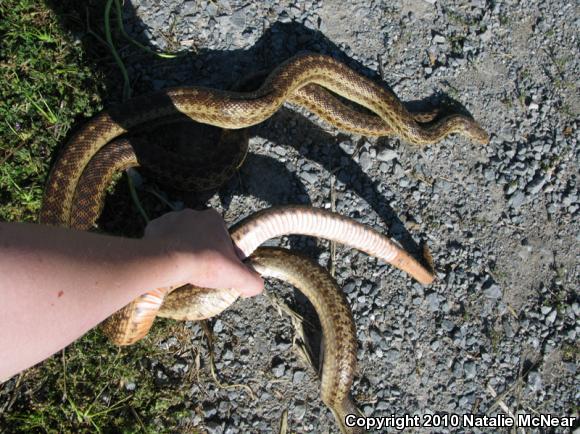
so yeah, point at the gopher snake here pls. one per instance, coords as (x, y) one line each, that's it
(76, 186)
(236, 110)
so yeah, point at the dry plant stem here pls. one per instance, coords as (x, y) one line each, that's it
(210, 348)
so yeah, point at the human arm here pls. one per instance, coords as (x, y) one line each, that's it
(56, 284)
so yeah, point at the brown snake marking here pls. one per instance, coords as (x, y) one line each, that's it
(77, 183)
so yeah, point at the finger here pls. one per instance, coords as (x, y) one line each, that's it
(250, 283)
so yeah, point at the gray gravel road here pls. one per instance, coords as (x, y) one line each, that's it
(501, 220)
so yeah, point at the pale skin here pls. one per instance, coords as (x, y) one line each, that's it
(56, 283)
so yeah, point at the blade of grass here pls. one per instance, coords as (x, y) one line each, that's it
(135, 198)
(137, 43)
(118, 61)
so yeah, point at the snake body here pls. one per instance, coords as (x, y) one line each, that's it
(77, 184)
(235, 110)
(338, 328)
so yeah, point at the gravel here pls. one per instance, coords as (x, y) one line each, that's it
(500, 220)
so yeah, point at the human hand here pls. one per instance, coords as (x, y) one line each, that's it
(205, 250)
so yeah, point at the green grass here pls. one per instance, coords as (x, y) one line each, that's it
(570, 353)
(46, 85)
(85, 390)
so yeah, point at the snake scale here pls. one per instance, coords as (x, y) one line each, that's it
(76, 187)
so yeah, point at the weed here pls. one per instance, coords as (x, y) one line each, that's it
(504, 20)
(47, 84)
(495, 337)
(570, 352)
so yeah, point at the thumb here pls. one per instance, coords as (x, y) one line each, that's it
(249, 283)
